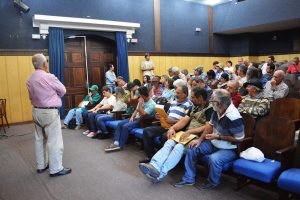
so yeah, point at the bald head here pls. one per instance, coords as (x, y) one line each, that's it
(278, 76)
(38, 61)
(232, 86)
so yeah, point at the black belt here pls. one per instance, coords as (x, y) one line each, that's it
(46, 107)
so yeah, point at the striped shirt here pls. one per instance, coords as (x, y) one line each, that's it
(230, 124)
(179, 110)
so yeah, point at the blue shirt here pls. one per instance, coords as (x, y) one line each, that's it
(149, 108)
(110, 78)
(168, 94)
(231, 124)
(179, 110)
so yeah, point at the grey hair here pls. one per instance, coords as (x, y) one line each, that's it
(223, 97)
(185, 90)
(236, 84)
(179, 83)
(38, 60)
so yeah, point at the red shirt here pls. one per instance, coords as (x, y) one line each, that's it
(293, 69)
(236, 99)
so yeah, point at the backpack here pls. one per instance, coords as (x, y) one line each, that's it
(72, 123)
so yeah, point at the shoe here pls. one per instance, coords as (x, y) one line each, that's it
(182, 184)
(64, 126)
(112, 148)
(63, 172)
(148, 169)
(146, 160)
(103, 136)
(86, 132)
(207, 186)
(77, 127)
(42, 170)
(91, 134)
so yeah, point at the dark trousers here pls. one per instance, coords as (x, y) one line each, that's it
(148, 138)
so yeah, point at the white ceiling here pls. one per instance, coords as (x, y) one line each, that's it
(209, 2)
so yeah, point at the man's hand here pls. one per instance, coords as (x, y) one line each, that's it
(157, 116)
(95, 111)
(91, 110)
(90, 94)
(184, 136)
(195, 143)
(131, 119)
(171, 133)
(273, 83)
(211, 136)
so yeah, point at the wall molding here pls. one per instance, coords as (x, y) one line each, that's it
(22, 52)
(142, 53)
(43, 22)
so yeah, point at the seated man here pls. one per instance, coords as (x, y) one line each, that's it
(178, 109)
(232, 88)
(144, 109)
(270, 71)
(225, 129)
(107, 103)
(169, 156)
(254, 103)
(276, 88)
(201, 83)
(92, 98)
(121, 82)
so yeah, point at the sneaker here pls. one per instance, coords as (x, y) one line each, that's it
(64, 126)
(207, 186)
(91, 134)
(112, 148)
(146, 160)
(149, 170)
(86, 132)
(182, 184)
(77, 127)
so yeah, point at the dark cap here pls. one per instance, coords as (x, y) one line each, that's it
(255, 82)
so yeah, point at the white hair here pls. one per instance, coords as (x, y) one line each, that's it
(179, 83)
(38, 60)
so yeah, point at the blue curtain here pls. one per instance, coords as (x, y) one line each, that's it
(56, 57)
(122, 55)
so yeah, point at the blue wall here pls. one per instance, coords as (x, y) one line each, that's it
(179, 20)
(16, 31)
(247, 13)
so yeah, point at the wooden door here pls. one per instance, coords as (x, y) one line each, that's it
(100, 52)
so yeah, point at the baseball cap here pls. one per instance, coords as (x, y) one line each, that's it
(94, 87)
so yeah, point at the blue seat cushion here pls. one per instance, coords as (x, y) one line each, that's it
(137, 132)
(226, 166)
(264, 171)
(289, 180)
(112, 124)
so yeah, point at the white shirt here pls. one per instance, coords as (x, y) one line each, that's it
(110, 101)
(148, 65)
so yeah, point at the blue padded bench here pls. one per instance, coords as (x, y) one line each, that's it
(289, 180)
(265, 171)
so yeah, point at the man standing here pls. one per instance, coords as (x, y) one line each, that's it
(219, 141)
(148, 66)
(45, 92)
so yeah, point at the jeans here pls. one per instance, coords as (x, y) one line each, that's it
(112, 88)
(78, 114)
(123, 129)
(91, 121)
(148, 138)
(217, 158)
(167, 157)
(100, 121)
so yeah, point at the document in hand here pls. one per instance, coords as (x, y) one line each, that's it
(176, 138)
(164, 116)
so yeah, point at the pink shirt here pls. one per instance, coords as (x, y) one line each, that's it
(45, 90)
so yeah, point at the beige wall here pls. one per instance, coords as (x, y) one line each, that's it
(14, 71)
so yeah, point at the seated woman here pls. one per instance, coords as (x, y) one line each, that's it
(120, 105)
(107, 103)
(169, 91)
(223, 82)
